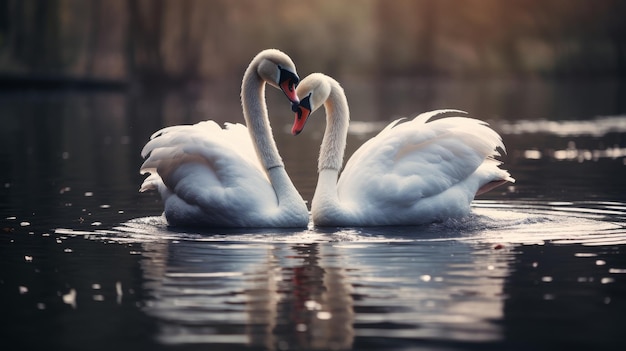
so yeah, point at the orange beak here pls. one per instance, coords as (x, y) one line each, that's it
(289, 89)
(302, 114)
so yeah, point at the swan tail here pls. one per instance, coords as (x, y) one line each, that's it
(152, 182)
(492, 176)
(490, 186)
(506, 178)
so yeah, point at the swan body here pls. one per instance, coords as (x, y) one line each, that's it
(233, 176)
(412, 172)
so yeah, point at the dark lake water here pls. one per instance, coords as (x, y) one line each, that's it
(87, 263)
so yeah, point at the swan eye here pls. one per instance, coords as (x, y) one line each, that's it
(306, 102)
(288, 77)
(287, 82)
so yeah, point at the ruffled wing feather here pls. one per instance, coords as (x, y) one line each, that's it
(207, 175)
(408, 164)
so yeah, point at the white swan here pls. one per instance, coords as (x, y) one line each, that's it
(411, 173)
(231, 177)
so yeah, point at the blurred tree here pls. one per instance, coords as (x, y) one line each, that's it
(35, 33)
(146, 27)
(177, 41)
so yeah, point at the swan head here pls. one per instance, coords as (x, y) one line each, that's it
(278, 70)
(312, 92)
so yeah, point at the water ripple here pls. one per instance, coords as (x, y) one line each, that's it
(597, 127)
(517, 222)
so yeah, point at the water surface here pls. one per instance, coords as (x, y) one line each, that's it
(87, 262)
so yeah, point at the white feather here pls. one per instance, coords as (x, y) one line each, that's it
(213, 176)
(412, 172)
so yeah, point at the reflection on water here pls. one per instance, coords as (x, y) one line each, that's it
(257, 294)
(334, 289)
(596, 127)
(574, 154)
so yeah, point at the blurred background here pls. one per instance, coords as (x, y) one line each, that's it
(84, 83)
(167, 42)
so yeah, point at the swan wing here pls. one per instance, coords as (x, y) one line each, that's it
(409, 163)
(392, 128)
(208, 175)
(234, 137)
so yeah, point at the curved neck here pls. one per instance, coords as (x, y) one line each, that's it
(257, 120)
(326, 207)
(335, 135)
(255, 113)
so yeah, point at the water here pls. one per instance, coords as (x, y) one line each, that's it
(86, 262)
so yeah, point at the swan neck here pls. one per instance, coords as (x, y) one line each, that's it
(326, 207)
(335, 135)
(257, 121)
(256, 117)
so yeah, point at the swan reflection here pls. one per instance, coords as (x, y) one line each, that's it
(275, 296)
(281, 295)
(441, 284)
